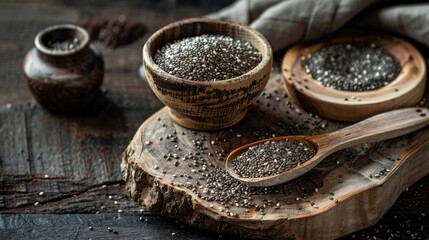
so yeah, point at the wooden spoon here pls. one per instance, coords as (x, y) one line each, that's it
(377, 128)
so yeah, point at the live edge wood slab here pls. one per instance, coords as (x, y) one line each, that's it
(348, 191)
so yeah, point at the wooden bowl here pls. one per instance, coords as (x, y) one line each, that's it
(206, 105)
(405, 91)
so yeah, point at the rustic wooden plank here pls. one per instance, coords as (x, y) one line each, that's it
(77, 226)
(409, 220)
(65, 156)
(14, 129)
(71, 157)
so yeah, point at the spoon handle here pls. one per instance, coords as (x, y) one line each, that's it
(377, 128)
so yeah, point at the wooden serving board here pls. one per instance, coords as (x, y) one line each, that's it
(348, 191)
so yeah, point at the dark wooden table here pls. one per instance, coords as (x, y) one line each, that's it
(60, 174)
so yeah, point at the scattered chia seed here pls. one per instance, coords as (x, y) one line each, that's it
(222, 187)
(233, 198)
(352, 66)
(272, 157)
(214, 184)
(208, 58)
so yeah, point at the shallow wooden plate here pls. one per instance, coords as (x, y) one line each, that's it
(405, 91)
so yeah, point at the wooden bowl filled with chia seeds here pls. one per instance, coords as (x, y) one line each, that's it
(207, 72)
(354, 76)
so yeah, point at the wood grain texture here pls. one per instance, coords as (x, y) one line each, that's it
(79, 153)
(405, 91)
(77, 226)
(75, 184)
(71, 159)
(362, 188)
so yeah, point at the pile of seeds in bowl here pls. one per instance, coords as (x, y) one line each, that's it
(272, 157)
(62, 46)
(208, 58)
(352, 66)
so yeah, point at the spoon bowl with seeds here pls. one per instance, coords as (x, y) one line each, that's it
(277, 160)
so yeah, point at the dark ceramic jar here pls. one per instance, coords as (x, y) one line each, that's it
(64, 71)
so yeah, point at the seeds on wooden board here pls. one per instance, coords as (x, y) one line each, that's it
(208, 58)
(272, 157)
(352, 66)
(215, 184)
(225, 194)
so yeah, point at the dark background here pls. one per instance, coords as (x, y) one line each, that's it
(75, 159)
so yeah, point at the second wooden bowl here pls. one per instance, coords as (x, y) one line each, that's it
(207, 105)
(405, 91)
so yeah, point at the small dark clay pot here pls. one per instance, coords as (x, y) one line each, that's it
(64, 77)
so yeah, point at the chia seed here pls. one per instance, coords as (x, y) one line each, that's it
(222, 187)
(114, 32)
(63, 46)
(272, 157)
(352, 66)
(205, 153)
(208, 58)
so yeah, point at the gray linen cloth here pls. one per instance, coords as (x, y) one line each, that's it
(285, 22)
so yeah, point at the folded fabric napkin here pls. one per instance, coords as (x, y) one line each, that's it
(285, 22)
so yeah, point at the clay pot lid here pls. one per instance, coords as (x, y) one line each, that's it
(405, 91)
